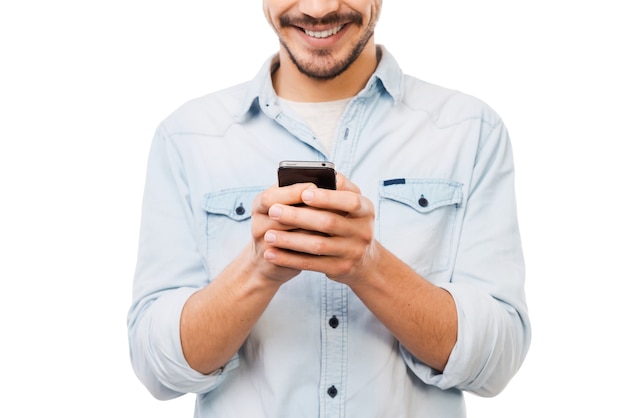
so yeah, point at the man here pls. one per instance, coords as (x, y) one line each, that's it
(387, 297)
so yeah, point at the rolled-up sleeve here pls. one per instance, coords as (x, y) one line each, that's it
(169, 269)
(487, 281)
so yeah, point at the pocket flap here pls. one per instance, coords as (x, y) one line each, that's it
(234, 203)
(424, 195)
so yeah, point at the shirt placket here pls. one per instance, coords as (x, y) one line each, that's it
(347, 134)
(334, 313)
(334, 349)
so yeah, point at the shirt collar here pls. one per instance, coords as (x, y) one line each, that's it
(387, 76)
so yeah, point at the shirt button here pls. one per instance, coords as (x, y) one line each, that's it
(332, 391)
(423, 202)
(333, 322)
(240, 210)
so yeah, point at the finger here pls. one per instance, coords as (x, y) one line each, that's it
(332, 257)
(305, 218)
(345, 202)
(287, 195)
(296, 260)
(343, 183)
(303, 241)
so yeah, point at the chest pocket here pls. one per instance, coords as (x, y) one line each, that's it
(228, 216)
(417, 219)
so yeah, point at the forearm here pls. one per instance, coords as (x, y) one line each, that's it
(216, 320)
(421, 316)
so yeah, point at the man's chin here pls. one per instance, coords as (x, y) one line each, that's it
(320, 65)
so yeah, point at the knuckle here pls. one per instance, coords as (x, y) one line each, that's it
(307, 265)
(343, 268)
(328, 223)
(261, 203)
(319, 246)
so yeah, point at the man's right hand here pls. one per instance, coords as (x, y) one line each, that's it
(262, 223)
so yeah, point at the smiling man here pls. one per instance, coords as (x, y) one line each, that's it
(387, 297)
(325, 41)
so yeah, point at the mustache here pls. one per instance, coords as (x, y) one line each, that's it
(330, 19)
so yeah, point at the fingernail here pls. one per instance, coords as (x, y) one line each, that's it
(308, 195)
(275, 212)
(270, 237)
(270, 255)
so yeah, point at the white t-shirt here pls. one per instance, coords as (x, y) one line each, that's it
(322, 117)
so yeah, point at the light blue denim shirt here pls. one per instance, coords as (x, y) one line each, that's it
(438, 166)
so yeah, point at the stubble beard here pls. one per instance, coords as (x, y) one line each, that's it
(321, 65)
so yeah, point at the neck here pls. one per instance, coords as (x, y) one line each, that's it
(291, 84)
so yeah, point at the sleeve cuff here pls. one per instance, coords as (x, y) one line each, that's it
(476, 361)
(164, 349)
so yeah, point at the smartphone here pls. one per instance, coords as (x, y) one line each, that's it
(321, 173)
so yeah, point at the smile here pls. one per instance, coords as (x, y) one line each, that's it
(324, 33)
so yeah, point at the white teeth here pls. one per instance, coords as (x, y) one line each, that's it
(324, 33)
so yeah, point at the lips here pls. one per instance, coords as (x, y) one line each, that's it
(322, 28)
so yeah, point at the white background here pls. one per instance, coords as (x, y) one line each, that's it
(83, 85)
